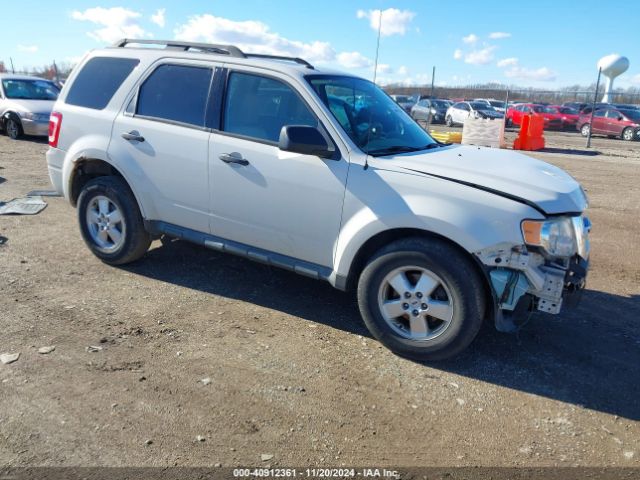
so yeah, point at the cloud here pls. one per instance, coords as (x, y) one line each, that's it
(28, 48)
(635, 80)
(403, 71)
(543, 74)
(480, 57)
(383, 69)
(158, 17)
(457, 54)
(250, 35)
(499, 35)
(116, 22)
(394, 21)
(353, 60)
(508, 62)
(470, 39)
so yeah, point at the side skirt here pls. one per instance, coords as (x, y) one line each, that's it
(296, 265)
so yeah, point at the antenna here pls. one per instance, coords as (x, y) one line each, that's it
(612, 66)
(375, 66)
(375, 73)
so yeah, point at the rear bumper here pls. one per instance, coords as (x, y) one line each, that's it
(55, 161)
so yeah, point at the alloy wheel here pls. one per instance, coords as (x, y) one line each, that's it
(415, 303)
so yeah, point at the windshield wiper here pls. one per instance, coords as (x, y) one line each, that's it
(400, 149)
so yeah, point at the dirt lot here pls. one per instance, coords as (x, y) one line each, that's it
(293, 372)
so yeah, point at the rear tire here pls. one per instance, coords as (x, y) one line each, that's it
(110, 221)
(584, 130)
(422, 322)
(627, 134)
(13, 128)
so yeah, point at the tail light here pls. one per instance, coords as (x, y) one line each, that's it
(55, 122)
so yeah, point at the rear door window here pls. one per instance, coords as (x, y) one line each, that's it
(99, 80)
(176, 93)
(258, 107)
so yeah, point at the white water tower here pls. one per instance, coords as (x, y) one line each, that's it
(612, 66)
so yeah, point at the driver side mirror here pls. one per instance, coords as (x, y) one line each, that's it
(304, 140)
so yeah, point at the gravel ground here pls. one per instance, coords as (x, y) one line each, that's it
(208, 359)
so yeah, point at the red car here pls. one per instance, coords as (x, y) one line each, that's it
(569, 116)
(516, 112)
(613, 122)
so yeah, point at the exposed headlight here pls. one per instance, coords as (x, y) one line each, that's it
(559, 237)
(36, 117)
(433, 111)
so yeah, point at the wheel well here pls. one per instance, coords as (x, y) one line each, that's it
(382, 239)
(7, 115)
(87, 169)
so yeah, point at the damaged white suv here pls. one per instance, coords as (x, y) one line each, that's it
(321, 173)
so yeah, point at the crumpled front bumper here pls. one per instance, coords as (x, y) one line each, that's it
(35, 128)
(575, 281)
(524, 281)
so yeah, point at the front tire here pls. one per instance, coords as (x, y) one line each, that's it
(13, 128)
(422, 299)
(627, 134)
(584, 130)
(110, 221)
(449, 121)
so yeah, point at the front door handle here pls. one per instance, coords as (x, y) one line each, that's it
(133, 136)
(233, 158)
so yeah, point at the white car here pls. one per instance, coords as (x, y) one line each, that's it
(321, 173)
(25, 104)
(459, 112)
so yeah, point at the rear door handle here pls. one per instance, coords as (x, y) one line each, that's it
(233, 158)
(133, 136)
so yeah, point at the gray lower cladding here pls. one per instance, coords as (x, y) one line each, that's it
(296, 265)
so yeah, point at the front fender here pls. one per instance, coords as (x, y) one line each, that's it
(380, 200)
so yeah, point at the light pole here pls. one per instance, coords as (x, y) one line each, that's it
(593, 108)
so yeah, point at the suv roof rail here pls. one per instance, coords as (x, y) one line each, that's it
(297, 60)
(230, 50)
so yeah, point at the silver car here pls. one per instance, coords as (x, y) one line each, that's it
(25, 104)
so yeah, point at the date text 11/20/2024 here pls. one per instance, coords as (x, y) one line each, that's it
(316, 473)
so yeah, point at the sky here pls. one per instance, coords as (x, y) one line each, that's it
(544, 44)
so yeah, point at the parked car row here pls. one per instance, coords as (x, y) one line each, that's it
(613, 120)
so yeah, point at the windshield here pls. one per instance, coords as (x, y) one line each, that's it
(543, 109)
(631, 114)
(496, 103)
(30, 89)
(403, 99)
(439, 104)
(569, 111)
(480, 106)
(375, 123)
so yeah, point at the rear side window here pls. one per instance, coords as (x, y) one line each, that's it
(177, 93)
(98, 80)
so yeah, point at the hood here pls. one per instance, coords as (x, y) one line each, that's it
(545, 187)
(33, 106)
